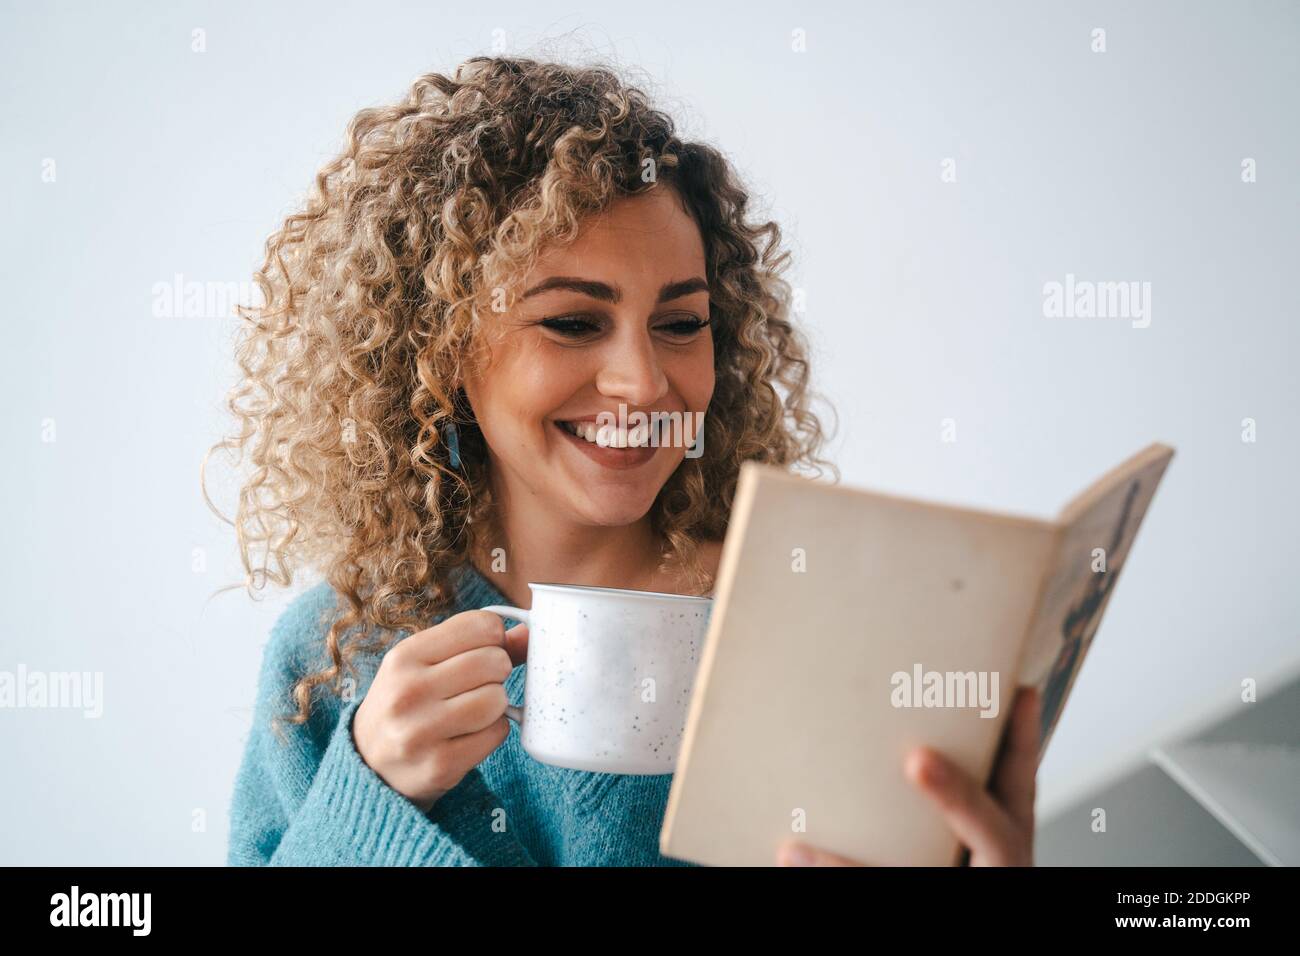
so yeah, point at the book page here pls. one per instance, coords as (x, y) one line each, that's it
(837, 609)
(1097, 532)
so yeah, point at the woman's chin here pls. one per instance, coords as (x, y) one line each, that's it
(614, 511)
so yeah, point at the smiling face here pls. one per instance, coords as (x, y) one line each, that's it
(617, 318)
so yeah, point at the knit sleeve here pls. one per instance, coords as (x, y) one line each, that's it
(311, 800)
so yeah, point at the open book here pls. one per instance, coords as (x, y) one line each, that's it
(850, 626)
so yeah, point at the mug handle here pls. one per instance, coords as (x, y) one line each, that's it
(519, 614)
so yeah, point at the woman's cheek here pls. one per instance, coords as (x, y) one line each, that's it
(694, 375)
(700, 388)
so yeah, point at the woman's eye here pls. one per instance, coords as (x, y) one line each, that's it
(684, 328)
(574, 326)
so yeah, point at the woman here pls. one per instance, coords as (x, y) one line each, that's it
(488, 268)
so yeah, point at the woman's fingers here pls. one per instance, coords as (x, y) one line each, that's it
(794, 853)
(971, 812)
(517, 644)
(1017, 765)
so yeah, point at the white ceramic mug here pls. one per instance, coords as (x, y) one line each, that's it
(609, 674)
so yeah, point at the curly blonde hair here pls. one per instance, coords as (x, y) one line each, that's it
(352, 366)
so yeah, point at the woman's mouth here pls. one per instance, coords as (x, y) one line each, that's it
(610, 436)
(609, 445)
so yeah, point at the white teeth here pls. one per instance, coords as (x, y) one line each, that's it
(610, 436)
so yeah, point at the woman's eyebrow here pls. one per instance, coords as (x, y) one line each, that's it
(612, 293)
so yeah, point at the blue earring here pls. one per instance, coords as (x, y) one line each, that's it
(453, 443)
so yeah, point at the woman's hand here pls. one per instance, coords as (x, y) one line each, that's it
(436, 707)
(997, 825)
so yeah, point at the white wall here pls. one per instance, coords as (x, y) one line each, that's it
(924, 299)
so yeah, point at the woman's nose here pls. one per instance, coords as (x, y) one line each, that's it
(632, 373)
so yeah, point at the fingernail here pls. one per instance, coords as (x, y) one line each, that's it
(796, 855)
(935, 773)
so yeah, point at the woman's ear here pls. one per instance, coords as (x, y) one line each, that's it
(462, 406)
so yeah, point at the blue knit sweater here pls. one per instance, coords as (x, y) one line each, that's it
(312, 801)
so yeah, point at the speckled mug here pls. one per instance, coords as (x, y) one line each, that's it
(609, 675)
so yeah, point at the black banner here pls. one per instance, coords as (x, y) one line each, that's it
(301, 905)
